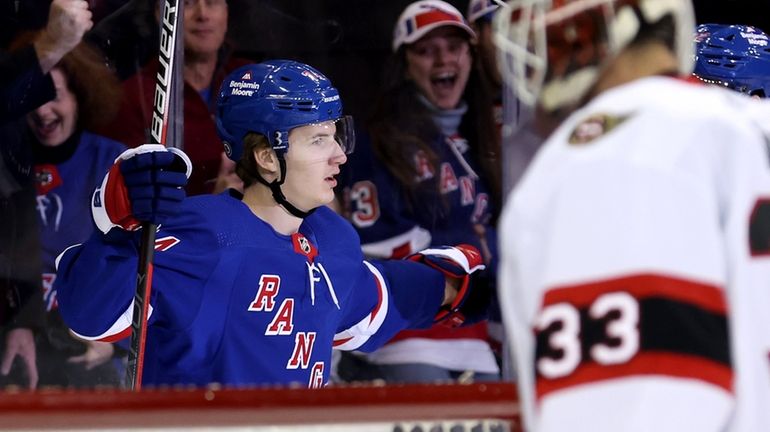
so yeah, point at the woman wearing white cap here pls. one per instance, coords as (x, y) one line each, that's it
(428, 172)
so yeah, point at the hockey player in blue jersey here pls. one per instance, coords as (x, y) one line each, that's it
(254, 288)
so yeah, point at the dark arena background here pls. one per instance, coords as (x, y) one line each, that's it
(348, 40)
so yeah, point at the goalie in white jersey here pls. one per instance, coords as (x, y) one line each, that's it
(635, 278)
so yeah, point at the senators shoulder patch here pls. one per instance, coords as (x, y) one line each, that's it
(594, 127)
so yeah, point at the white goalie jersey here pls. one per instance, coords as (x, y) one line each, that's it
(635, 275)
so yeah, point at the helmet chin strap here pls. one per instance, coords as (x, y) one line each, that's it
(278, 196)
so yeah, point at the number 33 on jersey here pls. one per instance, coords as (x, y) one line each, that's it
(634, 325)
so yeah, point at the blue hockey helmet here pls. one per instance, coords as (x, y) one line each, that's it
(735, 56)
(272, 98)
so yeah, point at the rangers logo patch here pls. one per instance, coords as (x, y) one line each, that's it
(594, 127)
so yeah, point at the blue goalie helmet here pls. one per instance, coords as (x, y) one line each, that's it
(274, 97)
(734, 56)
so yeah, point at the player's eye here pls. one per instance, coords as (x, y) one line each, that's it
(322, 140)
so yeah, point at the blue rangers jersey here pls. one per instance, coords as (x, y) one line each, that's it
(64, 188)
(237, 303)
(451, 204)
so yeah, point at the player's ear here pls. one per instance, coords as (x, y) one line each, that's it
(266, 159)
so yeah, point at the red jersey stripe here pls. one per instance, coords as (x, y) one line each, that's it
(706, 296)
(649, 363)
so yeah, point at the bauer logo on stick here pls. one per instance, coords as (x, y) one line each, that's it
(163, 85)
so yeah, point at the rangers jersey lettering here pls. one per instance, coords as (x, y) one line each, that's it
(268, 289)
(283, 320)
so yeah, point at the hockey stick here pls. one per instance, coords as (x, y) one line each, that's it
(169, 25)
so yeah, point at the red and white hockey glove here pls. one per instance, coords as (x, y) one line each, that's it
(146, 184)
(462, 262)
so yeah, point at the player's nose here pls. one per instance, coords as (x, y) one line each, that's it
(338, 157)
